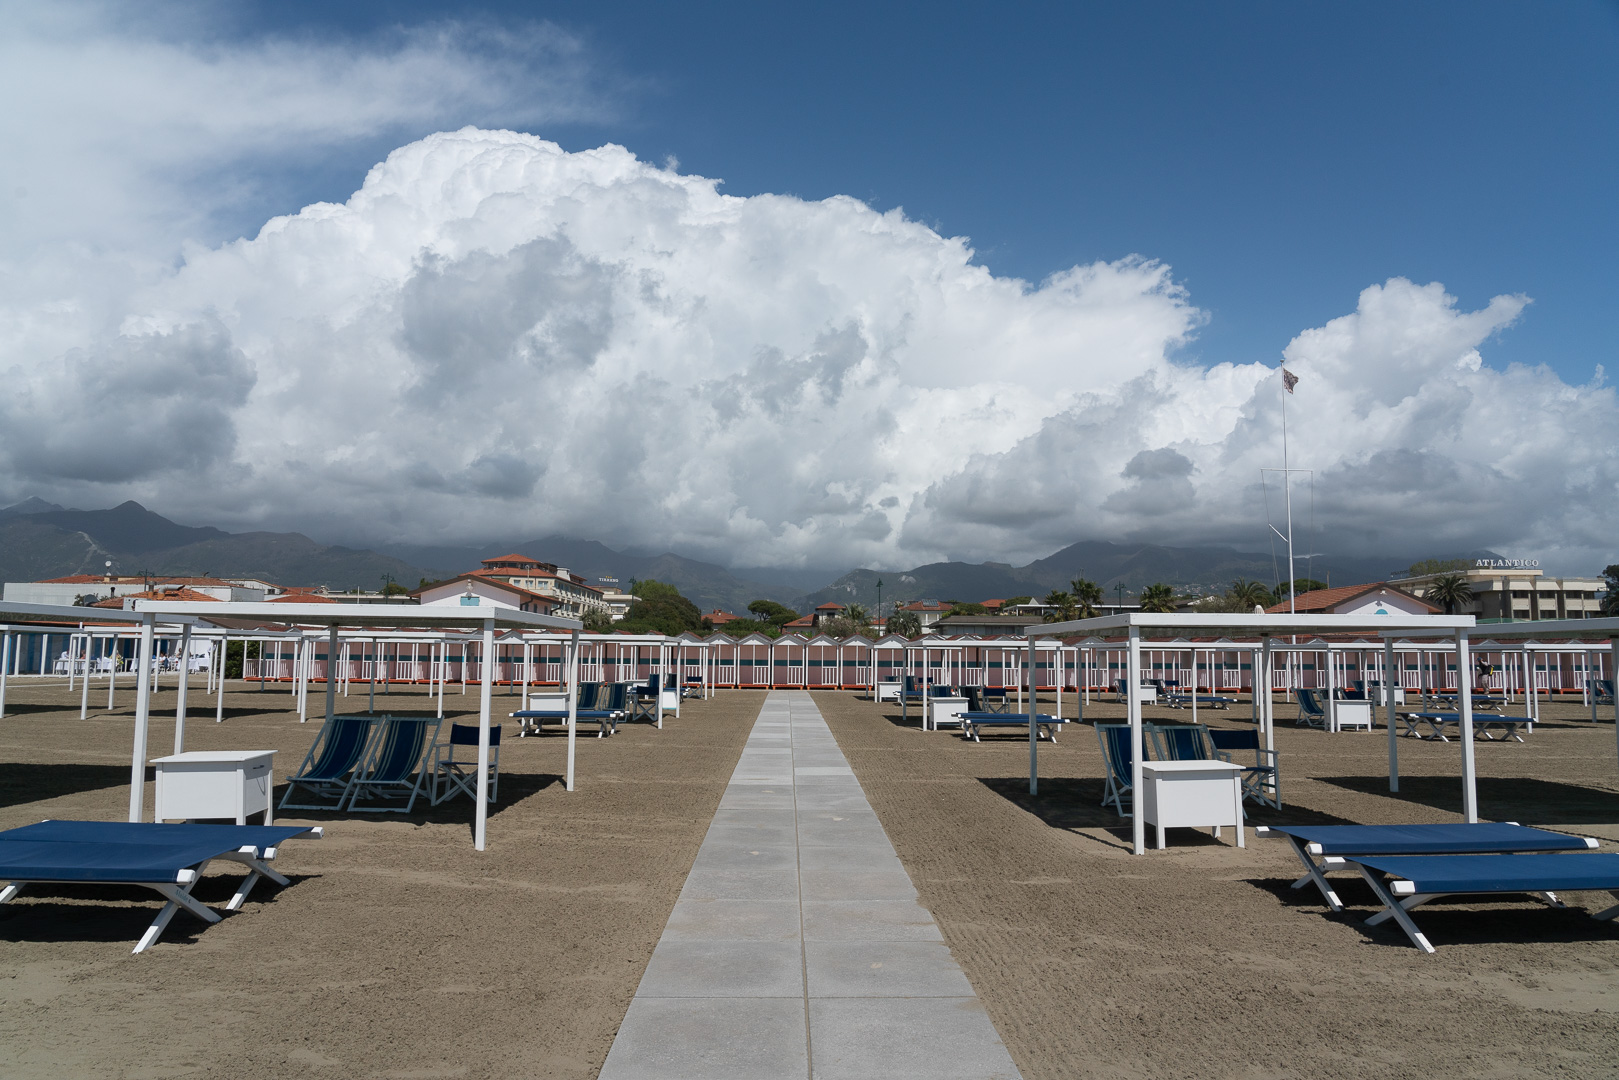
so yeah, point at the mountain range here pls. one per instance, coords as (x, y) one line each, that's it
(41, 540)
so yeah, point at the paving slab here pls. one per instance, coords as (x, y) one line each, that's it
(798, 948)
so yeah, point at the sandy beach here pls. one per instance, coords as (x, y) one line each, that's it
(399, 951)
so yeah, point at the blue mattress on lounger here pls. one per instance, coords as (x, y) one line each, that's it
(228, 837)
(1451, 839)
(1557, 872)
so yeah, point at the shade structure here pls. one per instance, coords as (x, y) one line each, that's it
(1267, 628)
(486, 618)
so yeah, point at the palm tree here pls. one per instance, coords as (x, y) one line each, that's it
(1451, 590)
(905, 623)
(857, 614)
(1158, 597)
(1087, 597)
(1065, 609)
(1251, 594)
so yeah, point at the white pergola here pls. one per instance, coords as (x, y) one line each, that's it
(1267, 628)
(484, 617)
(1607, 627)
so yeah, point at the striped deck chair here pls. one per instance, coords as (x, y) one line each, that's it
(328, 769)
(396, 768)
(1115, 740)
(1180, 742)
(1311, 713)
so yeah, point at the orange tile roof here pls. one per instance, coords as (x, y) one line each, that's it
(309, 597)
(1322, 600)
(513, 558)
(189, 595)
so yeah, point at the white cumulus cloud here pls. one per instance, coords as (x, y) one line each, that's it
(495, 337)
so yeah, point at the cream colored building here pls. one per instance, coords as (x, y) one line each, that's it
(1516, 589)
(573, 596)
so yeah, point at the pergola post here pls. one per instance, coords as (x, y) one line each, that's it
(485, 688)
(1034, 728)
(1388, 713)
(218, 661)
(84, 686)
(572, 676)
(1132, 688)
(143, 687)
(185, 685)
(5, 667)
(331, 671)
(1464, 692)
(1613, 676)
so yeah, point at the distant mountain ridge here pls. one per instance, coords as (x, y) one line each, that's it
(39, 540)
(1111, 565)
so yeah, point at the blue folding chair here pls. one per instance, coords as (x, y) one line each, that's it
(329, 767)
(1261, 781)
(455, 764)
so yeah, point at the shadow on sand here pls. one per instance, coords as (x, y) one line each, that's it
(26, 783)
(1522, 799)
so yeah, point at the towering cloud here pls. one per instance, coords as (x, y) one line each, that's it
(495, 336)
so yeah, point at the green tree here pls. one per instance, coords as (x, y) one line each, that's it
(961, 607)
(1451, 590)
(1013, 601)
(653, 589)
(1250, 594)
(905, 623)
(857, 614)
(1303, 585)
(771, 612)
(742, 627)
(1158, 597)
(1087, 597)
(1610, 599)
(1064, 608)
(843, 626)
(660, 609)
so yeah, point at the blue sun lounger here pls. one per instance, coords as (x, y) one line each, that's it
(1315, 844)
(1204, 701)
(606, 718)
(1417, 879)
(973, 724)
(1482, 724)
(168, 859)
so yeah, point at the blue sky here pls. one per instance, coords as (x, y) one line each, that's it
(1280, 157)
(1410, 204)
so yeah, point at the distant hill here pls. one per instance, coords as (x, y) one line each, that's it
(53, 542)
(41, 540)
(1133, 566)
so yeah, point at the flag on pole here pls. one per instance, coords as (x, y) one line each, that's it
(1289, 380)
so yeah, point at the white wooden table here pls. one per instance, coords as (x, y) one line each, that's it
(887, 691)
(1351, 713)
(1195, 794)
(215, 784)
(944, 710)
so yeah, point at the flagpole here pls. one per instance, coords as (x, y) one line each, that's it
(1287, 491)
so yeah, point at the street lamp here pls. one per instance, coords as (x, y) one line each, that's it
(879, 599)
(1120, 587)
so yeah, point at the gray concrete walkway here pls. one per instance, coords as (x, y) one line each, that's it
(798, 948)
